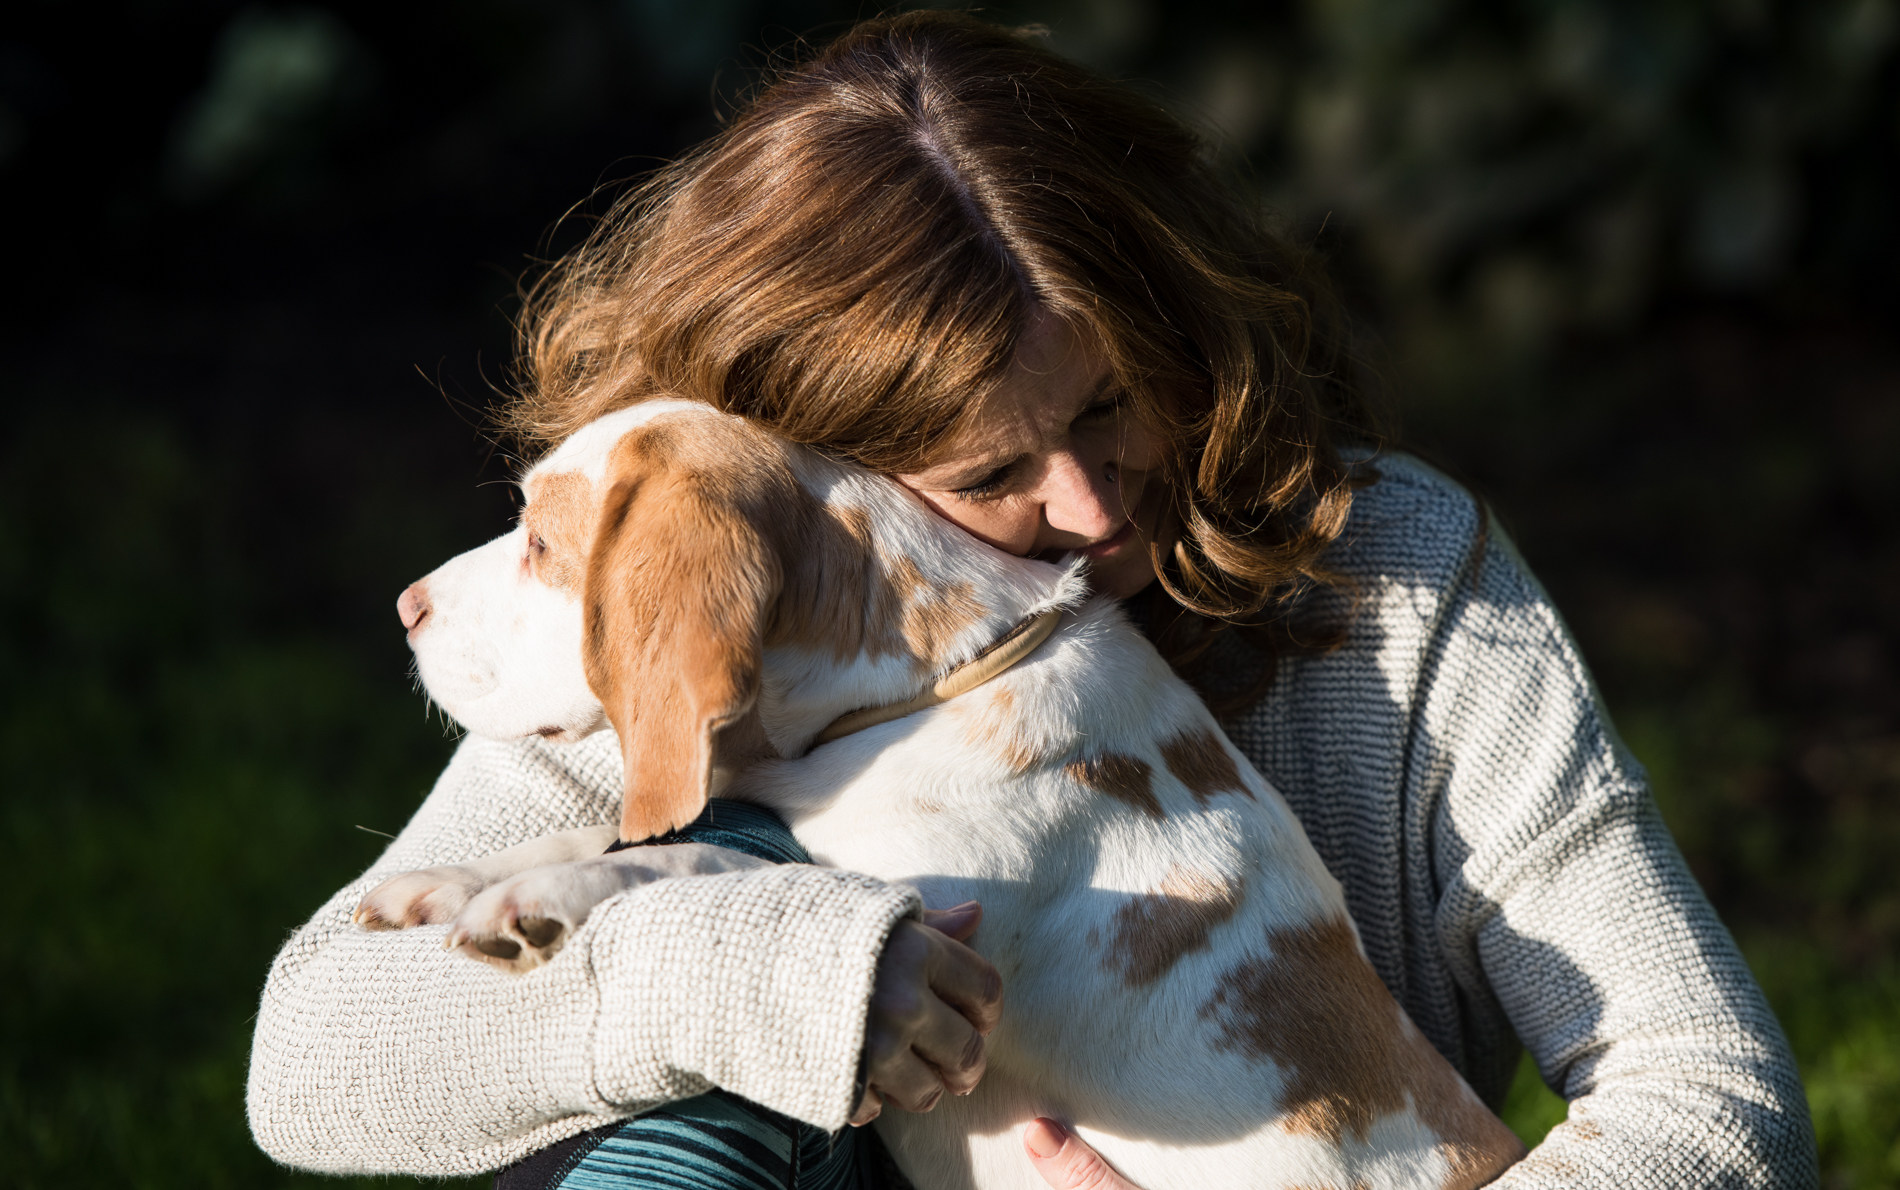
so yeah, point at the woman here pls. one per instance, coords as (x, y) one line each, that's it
(943, 252)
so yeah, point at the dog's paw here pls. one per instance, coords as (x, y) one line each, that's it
(523, 922)
(429, 897)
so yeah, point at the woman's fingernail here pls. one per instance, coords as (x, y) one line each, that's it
(972, 1054)
(1044, 1137)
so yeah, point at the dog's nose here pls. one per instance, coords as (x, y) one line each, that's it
(413, 606)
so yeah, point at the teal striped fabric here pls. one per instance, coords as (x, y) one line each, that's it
(718, 1142)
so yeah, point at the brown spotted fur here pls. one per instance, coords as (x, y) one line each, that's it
(562, 513)
(1154, 930)
(1198, 761)
(1127, 779)
(992, 729)
(1290, 1007)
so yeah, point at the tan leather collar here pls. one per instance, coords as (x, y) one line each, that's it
(1014, 645)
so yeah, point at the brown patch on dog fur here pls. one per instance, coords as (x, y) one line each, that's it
(834, 600)
(1153, 930)
(1319, 1012)
(888, 608)
(933, 617)
(992, 729)
(1124, 778)
(856, 523)
(563, 510)
(907, 615)
(1020, 757)
(1198, 761)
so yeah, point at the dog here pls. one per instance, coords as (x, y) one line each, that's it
(758, 621)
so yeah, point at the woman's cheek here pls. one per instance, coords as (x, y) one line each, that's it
(1010, 525)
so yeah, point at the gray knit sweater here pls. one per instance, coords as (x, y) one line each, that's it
(1500, 852)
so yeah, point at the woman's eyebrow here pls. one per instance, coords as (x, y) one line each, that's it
(976, 474)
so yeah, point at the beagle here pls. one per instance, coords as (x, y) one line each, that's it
(757, 621)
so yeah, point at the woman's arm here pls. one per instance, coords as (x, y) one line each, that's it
(1505, 864)
(380, 1052)
(1563, 901)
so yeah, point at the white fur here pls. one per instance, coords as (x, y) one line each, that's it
(501, 651)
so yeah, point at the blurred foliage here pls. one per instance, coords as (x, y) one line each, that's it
(191, 792)
(1627, 266)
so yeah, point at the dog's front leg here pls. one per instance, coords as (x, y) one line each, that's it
(520, 923)
(435, 895)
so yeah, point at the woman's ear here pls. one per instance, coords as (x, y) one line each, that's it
(679, 586)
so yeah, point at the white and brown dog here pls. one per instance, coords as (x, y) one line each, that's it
(726, 601)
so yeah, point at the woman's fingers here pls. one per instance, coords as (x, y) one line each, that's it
(920, 1039)
(958, 921)
(958, 975)
(908, 1082)
(1065, 1162)
(933, 1001)
(951, 1049)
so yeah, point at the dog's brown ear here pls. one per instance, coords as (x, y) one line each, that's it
(679, 585)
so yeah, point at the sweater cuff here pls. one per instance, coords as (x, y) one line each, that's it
(755, 982)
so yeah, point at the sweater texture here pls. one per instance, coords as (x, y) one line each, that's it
(1500, 852)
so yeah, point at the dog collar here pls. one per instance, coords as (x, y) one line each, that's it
(1014, 645)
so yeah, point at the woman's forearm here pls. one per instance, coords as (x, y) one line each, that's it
(1562, 900)
(381, 1052)
(1618, 976)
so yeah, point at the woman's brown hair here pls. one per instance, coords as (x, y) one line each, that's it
(854, 258)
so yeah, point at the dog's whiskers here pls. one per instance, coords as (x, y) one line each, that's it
(450, 728)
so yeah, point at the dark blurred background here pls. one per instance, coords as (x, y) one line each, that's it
(1628, 266)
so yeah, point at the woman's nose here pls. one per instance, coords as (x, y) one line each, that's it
(1082, 496)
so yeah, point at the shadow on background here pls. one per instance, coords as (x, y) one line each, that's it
(1628, 266)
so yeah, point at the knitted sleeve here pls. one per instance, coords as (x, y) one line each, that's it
(1506, 866)
(1563, 902)
(381, 1052)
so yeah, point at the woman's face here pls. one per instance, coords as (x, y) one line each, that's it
(1051, 465)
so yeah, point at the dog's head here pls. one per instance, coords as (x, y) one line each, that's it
(711, 593)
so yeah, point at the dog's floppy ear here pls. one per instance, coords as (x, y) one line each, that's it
(679, 586)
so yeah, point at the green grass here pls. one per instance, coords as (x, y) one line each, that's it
(163, 895)
(1531, 1108)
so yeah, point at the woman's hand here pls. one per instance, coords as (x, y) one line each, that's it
(1065, 1162)
(934, 1001)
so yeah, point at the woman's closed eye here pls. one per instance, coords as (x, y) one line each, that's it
(1099, 413)
(989, 485)
(1101, 410)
